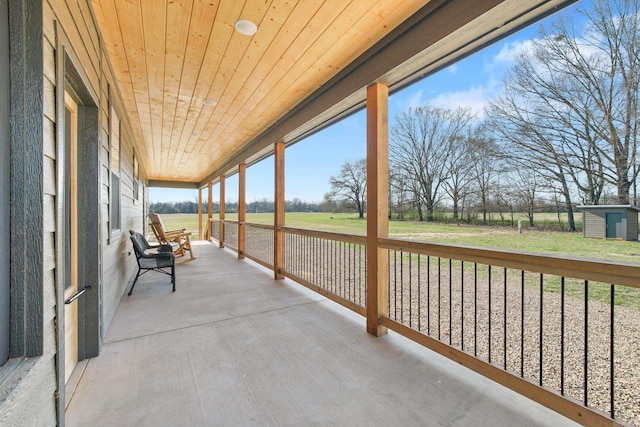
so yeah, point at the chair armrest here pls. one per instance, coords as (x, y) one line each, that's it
(159, 249)
(177, 233)
(161, 255)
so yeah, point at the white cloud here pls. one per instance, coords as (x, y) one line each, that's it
(415, 100)
(476, 97)
(507, 55)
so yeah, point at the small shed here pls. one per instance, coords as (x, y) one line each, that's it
(610, 221)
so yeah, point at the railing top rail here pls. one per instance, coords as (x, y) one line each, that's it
(342, 237)
(257, 225)
(617, 273)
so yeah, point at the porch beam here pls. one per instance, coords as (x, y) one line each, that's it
(242, 206)
(222, 197)
(377, 206)
(278, 211)
(174, 184)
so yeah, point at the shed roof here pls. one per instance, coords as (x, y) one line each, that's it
(608, 207)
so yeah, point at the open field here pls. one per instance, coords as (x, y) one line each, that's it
(547, 242)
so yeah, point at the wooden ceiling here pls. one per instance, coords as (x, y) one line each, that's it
(294, 75)
(171, 56)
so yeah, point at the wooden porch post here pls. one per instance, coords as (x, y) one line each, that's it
(377, 205)
(278, 210)
(222, 177)
(242, 206)
(200, 213)
(210, 209)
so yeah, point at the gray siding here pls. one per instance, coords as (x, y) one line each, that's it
(31, 398)
(594, 224)
(632, 224)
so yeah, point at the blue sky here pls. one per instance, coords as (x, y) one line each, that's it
(310, 163)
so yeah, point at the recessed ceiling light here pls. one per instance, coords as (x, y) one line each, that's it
(209, 102)
(246, 27)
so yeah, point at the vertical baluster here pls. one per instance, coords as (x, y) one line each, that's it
(389, 287)
(489, 281)
(349, 272)
(365, 272)
(410, 299)
(419, 296)
(586, 342)
(428, 295)
(401, 287)
(439, 297)
(540, 363)
(462, 305)
(504, 326)
(450, 301)
(475, 309)
(612, 378)
(522, 323)
(562, 326)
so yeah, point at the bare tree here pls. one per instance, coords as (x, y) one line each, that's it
(484, 166)
(529, 141)
(526, 186)
(459, 173)
(420, 148)
(350, 186)
(577, 97)
(399, 195)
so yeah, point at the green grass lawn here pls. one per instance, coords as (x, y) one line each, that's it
(495, 237)
(547, 242)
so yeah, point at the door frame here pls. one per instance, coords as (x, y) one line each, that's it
(5, 184)
(72, 78)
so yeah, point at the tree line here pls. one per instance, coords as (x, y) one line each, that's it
(257, 206)
(563, 132)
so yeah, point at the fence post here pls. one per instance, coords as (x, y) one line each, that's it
(200, 213)
(242, 207)
(278, 210)
(377, 206)
(210, 210)
(221, 233)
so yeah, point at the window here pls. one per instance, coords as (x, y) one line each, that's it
(114, 153)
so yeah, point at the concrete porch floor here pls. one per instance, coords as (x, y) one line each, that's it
(234, 347)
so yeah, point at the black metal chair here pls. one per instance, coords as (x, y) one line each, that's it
(154, 258)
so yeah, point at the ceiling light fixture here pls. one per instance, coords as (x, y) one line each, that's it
(245, 27)
(209, 103)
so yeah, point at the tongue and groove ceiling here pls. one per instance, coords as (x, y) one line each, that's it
(173, 57)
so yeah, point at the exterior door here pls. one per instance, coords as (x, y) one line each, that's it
(71, 214)
(614, 226)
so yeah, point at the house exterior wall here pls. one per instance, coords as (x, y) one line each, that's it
(29, 396)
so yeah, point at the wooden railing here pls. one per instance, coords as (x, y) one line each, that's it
(259, 243)
(563, 332)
